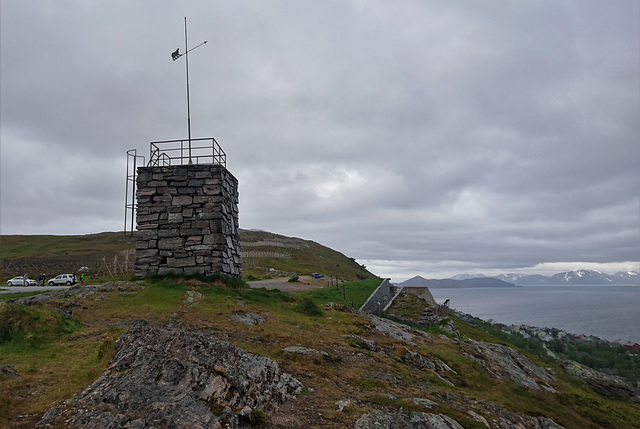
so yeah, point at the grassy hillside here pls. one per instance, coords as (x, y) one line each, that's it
(60, 246)
(267, 255)
(263, 252)
(56, 358)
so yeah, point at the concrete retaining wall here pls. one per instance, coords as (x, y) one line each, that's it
(379, 298)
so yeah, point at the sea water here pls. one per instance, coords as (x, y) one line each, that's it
(608, 312)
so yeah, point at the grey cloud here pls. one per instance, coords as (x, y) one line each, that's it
(412, 134)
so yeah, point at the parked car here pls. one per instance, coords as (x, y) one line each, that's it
(19, 281)
(62, 279)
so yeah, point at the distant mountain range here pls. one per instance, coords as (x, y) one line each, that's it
(453, 283)
(577, 277)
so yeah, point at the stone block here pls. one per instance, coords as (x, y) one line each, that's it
(202, 199)
(212, 189)
(193, 240)
(182, 200)
(147, 234)
(213, 239)
(194, 270)
(145, 253)
(166, 190)
(205, 249)
(186, 191)
(141, 245)
(148, 260)
(200, 224)
(149, 226)
(181, 262)
(147, 218)
(145, 192)
(187, 232)
(174, 218)
(167, 270)
(169, 232)
(170, 243)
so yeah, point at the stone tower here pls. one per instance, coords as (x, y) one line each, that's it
(187, 219)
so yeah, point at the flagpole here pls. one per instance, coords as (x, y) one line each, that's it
(186, 53)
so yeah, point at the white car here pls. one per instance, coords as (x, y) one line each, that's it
(19, 281)
(62, 279)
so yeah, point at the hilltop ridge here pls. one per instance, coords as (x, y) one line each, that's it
(264, 254)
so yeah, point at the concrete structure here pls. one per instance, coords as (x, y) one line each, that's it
(187, 220)
(380, 298)
(384, 295)
(422, 292)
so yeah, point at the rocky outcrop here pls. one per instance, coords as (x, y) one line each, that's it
(394, 330)
(507, 363)
(405, 420)
(423, 363)
(96, 292)
(610, 386)
(175, 378)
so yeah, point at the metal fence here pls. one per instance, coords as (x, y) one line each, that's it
(181, 152)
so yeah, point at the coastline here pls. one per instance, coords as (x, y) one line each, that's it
(611, 313)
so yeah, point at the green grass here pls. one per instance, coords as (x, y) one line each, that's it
(14, 295)
(32, 326)
(351, 294)
(309, 308)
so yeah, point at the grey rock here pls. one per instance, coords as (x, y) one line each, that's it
(363, 343)
(304, 351)
(405, 420)
(427, 403)
(176, 378)
(527, 422)
(451, 328)
(418, 361)
(507, 363)
(67, 313)
(248, 317)
(342, 404)
(394, 330)
(8, 371)
(607, 385)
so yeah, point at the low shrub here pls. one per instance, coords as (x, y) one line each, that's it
(33, 326)
(309, 308)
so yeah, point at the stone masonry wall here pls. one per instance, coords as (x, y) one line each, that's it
(187, 221)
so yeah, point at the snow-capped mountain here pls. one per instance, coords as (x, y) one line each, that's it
(467, 276)
(524, 279)
(576, 277)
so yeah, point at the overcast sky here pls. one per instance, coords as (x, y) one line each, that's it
(420, 137)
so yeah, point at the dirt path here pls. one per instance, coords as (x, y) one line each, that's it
(282, 283)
